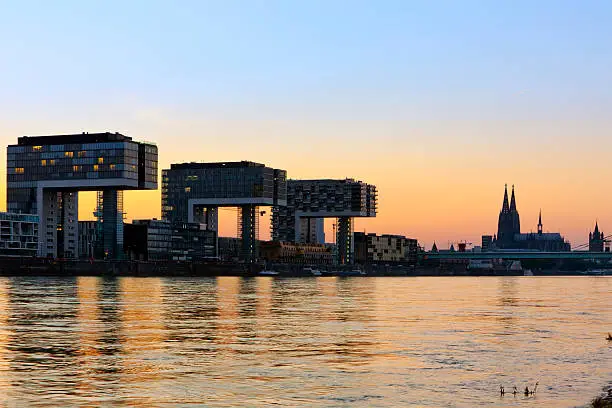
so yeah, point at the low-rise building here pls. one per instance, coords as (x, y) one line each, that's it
(18, 234)
(372, 248)
(296, 253)
(88, 239)
(192, 242)
(161, 240)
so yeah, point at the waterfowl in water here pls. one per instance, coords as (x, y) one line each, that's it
(532, 392)
(501, 390)
(609, 338)
(514, 391)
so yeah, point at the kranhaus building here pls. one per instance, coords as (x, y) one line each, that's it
(45, 174)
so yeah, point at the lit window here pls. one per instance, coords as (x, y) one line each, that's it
(76, 168)
(19, 170)
(82, 153)
(96, 167)
(187, 189)
(37, 148)
(68, 154)
(100, 160)
(43, 162)
(52, 162)
(112, 167)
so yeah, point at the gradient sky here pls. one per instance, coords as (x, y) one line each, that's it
(438, 103)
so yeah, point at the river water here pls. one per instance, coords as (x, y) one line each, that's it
(359, 342)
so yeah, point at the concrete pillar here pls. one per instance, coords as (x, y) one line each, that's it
(248, 228)
(70, 224)
(48, 215)
(112, 224)
(344, 241)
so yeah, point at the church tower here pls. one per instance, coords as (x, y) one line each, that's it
(596, 240)
(540, 223)
(509, 222)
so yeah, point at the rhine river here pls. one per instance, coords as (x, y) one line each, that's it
(317, 342)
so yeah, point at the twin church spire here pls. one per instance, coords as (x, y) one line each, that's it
(509, 221)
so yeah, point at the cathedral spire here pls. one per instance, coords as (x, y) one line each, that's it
(513, 201)
(540, 223)
(505, 207)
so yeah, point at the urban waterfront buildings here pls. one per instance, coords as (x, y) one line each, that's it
(193, 192)
(372, 248)
(317, 199)
(296, 253)
(18, 234)
(509, 234)
(45, 174)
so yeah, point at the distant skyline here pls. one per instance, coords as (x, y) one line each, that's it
(437, 103)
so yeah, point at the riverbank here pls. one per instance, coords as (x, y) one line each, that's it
(53, 267)
(603, 401)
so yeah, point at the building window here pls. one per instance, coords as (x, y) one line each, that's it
(112, 167)
(19, 170)
(43, 162)
(52, 162)
(96, 167)
(100, 160)
(69, 154)
(76, 168)
(37, 148)
(187, 189)
(82, 153)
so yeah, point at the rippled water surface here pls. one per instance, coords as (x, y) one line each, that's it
(361, 342)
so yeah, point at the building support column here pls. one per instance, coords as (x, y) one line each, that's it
(110, 215)
(247, 228)
(344, 241)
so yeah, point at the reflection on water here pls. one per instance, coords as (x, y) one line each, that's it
(366, 342)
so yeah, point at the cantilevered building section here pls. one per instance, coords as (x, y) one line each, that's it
(314, 199)
(45, 174)
(193, 192)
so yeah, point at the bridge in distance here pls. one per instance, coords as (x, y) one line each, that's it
(518, 255)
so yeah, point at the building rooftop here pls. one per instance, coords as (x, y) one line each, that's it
(194, 165)
(75, 138)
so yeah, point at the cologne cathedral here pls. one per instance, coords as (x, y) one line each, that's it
(509, 234)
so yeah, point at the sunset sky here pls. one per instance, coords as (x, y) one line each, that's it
(438, 103)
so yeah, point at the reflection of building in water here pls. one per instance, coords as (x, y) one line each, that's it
(296, 253)
(43, 315)
(5, 354)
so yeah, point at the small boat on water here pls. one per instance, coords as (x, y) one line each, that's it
(354, 272)
(313, 272)
(268, 273)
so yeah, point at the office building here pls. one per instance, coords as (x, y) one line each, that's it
(45, 174)
(88, 234)
(18, 234)
(318, 199)
(193, 192)
(160, 240)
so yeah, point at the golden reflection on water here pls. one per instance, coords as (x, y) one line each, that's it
(232, 341)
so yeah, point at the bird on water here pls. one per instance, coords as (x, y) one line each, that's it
(609, 338)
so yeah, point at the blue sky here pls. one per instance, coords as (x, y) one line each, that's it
(378, 57)
(439, 103)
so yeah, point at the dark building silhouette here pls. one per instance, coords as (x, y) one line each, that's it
(509, 234)
(509, 223)
(596, 240)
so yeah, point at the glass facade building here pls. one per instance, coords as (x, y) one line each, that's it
(45, 173)
(193, 192)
